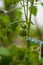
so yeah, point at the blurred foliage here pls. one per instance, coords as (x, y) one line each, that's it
(11, 25)
(8, 3)
(19, 56)
(34, 10)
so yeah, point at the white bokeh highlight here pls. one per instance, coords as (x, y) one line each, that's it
(1, 4)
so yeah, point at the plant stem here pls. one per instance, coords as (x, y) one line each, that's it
(24, 10)
(27, 9)
(29, 22)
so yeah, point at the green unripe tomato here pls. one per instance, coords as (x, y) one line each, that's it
(24, 27)
(22, 32)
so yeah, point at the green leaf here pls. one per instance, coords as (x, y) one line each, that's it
(34, 10)
(36, 0)
(8, 3)
(8, 51)
(6, 40)
(17, 14)
(1, 33)
(6, 19)
(15, 1)
(5, 60)
(42, 4)
(13, 26)
(4, 51)
(14, 50)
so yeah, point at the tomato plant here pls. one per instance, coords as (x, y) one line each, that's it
(11, 25)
